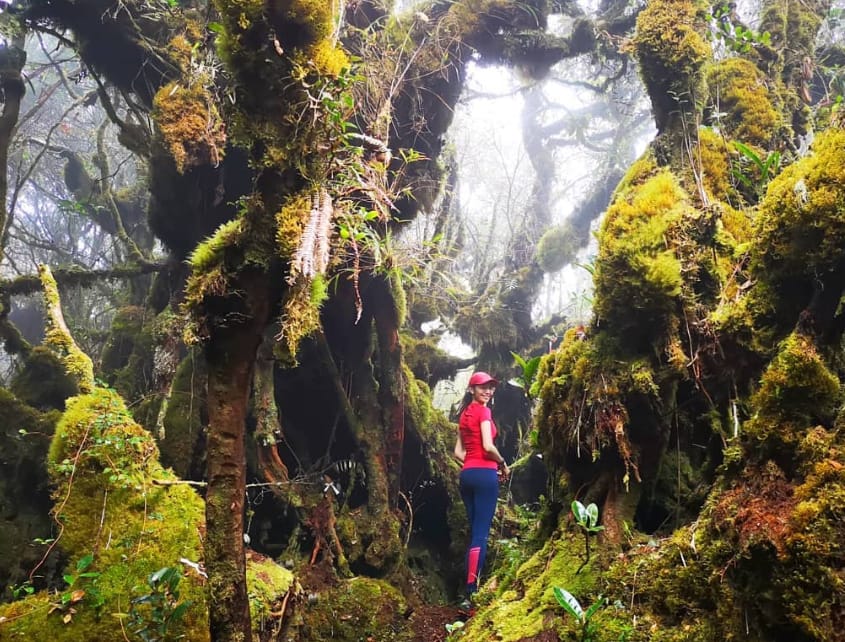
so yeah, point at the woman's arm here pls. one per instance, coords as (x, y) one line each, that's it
(460, 451)
(490, 450)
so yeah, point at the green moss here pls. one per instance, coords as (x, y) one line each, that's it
(190, 125)
(672, 52)
(42, 381)
(744, 100)
(638, 279)
(556, 248)
(585, 378)
(528, 607)
(134, 379)
(397, 292)
(796, 392)
(800, 229)
(183, 422)
(123, 334)
(102, 464)
(713, 156)
(267, 583)
(77, 364)
(359, 609)
(300, 316)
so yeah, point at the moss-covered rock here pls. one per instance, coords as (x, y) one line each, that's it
(526, 608)
(121, 517)
(358, 609)
(103, 466)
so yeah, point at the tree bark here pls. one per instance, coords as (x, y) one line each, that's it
(391, 384)
(12, 88)
(231, 358)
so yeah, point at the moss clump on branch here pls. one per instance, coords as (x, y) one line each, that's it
(556, 248)
(745, 103)
(672, 53)
(190, 125)
(301, 314)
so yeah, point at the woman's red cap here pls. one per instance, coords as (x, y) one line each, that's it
(480, 378)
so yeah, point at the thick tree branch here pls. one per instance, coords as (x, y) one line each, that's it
(78, 365)
(30, 283)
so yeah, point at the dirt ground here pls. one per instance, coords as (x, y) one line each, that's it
(429, 622)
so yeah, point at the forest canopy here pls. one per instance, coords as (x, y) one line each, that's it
(242, 238)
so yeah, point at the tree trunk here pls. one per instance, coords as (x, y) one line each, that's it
(12, 88)
(391, 383)
(231, 358)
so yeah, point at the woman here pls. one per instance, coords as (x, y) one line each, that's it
(479, 482)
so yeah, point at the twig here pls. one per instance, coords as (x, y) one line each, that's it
(61, 506)
(410, 519)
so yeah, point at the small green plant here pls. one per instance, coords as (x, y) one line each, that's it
(572, 606)
(766, 167)
(81, 585)
(587, 517)
(527, 379)
(153, 614)
(733, 33)
(22, 590)
(454, 629)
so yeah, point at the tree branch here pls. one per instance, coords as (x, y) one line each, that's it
(78, 365)
(30, 283)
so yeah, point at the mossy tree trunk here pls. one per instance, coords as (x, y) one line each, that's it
(231, 358)
(391, 379)
(12, 60)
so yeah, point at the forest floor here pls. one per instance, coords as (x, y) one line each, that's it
(429, 622)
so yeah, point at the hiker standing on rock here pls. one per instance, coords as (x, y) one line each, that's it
(479, 483)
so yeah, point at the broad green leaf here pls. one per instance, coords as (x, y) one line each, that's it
(592, 515)
(569, 602)
(531, 368)
(579, 512)
(85, 562)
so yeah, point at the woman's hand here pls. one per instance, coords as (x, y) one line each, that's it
(505, 472)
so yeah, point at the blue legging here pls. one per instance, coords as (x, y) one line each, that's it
(479, 490)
